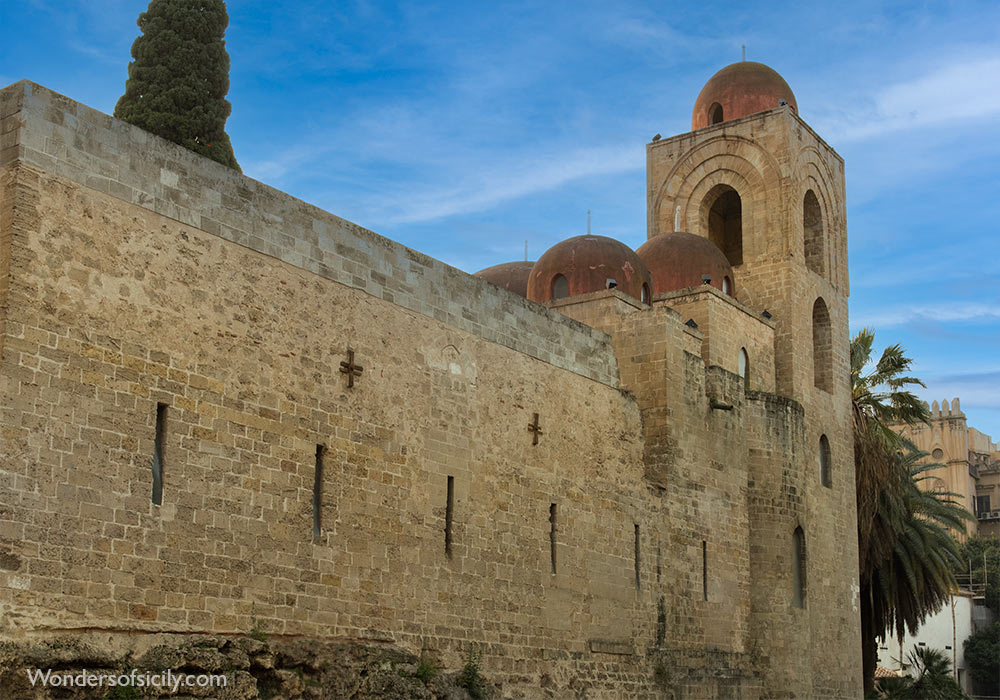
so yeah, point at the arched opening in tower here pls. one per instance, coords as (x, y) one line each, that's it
(812, 230)
(725, 222)
(822, 346)
(715, 113)
(743, 367)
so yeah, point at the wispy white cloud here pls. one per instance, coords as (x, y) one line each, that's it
(974, 389)
(945, 313)
(507, 181)
(951, 94)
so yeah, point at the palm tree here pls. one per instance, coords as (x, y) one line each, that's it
(918, 576)
(905, 547)
(880, 400)
(933, 679)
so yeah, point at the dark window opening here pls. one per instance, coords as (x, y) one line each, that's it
(825, 462)
(715, 113)
(704, 570)
(552, 536)
(560, 287)
(636, 556)
(812, 230)
(982, 504)
(725, 222)
(659, 562)
(158, 452)
(822, 347)
(644, 294)
(449, 515)
(318, 492)
(799, 568)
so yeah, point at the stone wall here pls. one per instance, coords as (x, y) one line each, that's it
(64, 138)
(773, 161)
(727, 326)
(144, 281)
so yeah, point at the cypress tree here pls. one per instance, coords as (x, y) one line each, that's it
(179, 77)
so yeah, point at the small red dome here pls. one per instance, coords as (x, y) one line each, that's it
(738, 90)
(512, 276)
(586, 264)
(678, 260)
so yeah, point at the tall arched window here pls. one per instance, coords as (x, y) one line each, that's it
(822, 346)
(727, 286)
(743, 367)
(799, 568)
(560, 287)
(812, 232)
(644, 294)
(725, 221)
(825, 462)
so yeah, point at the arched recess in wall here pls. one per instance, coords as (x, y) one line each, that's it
(822, 346)
(825, 462)
(812, 233)
(723, 217)
(715, 113)
(743, 367)
(644, 296)
(560, 287)
(799, 568)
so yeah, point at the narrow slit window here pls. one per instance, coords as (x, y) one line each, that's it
(799, 568)
(158, 460)
(637, 556)
(552, 535)
(449, 515)
(318, 492)
(659, 562)
(825, 462)
(704, 570)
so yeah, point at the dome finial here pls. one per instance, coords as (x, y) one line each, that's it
(744, 52)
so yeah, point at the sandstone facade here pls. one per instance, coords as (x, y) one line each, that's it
(669, 535)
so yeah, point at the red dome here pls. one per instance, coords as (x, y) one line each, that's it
(738, 90)
(512, 276)
(678, 260)
(585, 264)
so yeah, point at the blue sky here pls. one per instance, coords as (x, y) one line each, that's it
(464, 130)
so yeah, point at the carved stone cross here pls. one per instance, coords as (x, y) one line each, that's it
(535, 429)
(350, 369)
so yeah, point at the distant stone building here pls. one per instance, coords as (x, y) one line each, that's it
(971, 463)
(225, 411)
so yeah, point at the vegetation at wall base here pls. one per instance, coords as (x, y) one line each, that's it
(179, 77)
(981, 564)
(471, 678)
(933, 680)
(982, 656)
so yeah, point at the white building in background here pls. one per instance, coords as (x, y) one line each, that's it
(946, 631)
